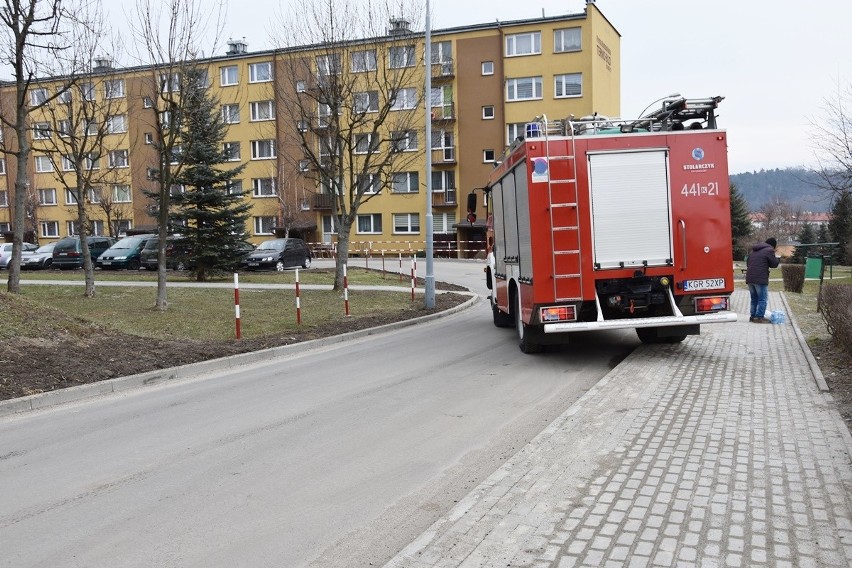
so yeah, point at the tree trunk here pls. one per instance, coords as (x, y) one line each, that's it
(342, 252)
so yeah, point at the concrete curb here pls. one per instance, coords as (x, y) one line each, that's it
(91, 390)
(815, 370)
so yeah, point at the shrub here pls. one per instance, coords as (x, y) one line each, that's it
(794, 277)
(837, 314)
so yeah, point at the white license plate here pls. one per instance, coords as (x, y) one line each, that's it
(704, 284)
(106, 262)
(253, 264)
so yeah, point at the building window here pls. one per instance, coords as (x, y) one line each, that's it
(118, 159)
(121, 193)
(43, 164)
(404, 140)
(147, 102)
(94, 195)
(149, 138)
(406, 182)
(122, 226)
(369, 184)
(263, 187)
(231, 151)
(41, 131)
(302, 125)
(514, 131)
(64, 126)
(47, 197)
(92, 161)
(406, 223)
(488, 112)
(67, 163)
(489, 156)
(304, 165)
(231, 114)
(443, 180)
(229, 75)
(367, 102)
(523, 89)
(38, 96)
(487, 67)
(2, 166)
(90, 127)
(49, 228)
(328, 65)
(234, 187)
(264, 225)
(4, 198)
(401, 56)
(361, 61)
(366, 143)
(63, 94)
(97, 228)
(116, 124)
(262, 149)
(523, 44)
(87, 91)
(260, 72)
(565, 40)
(113, 88)
(404, 99)
(568, 85)
(70, 196)
(261, 110)
(301, 86)
(370, 224)
(170, 83)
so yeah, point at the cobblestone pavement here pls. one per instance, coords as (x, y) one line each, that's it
(720, 451)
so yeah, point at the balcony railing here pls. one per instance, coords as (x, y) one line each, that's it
(322, 201)
(443, 70)
(443, 112)
(444, 198)
(444, 155)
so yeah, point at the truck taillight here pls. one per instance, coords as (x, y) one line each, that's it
(711, 304)
(558, 313)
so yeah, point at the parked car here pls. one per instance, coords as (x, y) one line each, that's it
(279, 254)
(6, 252)
(42, 257)
(125, 253)
(178, 254)
(68, 254)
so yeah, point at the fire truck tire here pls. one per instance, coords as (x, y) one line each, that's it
(526, 333)
(648, 335)
(501, 319)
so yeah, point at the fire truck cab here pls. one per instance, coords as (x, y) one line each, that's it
(598, 223)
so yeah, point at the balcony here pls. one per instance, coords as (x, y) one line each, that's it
(443, 113)
(444, 70)
(322, 201)
(444, 198)
(444, 156)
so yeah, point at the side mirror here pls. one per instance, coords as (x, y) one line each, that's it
(471, 207)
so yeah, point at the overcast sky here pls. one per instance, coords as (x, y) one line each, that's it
(774, 61)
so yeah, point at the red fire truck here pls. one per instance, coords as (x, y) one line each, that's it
(603, 224)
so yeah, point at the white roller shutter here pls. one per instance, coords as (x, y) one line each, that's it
(631, 211)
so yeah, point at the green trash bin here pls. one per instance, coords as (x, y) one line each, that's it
(813, 267)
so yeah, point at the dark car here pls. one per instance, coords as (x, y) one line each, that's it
(6, 252)
(42, 257)
(69, 254)
(279, 254)
(178, 255)
(125, 253)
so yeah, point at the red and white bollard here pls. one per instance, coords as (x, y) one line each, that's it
(400, 267)
(413, 276)
(298, 300)
(345, 291)
(237, 301)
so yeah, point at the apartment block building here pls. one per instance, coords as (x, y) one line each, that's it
(487, 81)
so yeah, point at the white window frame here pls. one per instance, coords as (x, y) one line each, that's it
(401, 56)
(410, 222)
(301, 86)
(234, 187)
(43, 164)
(264, 225)
(116, 124)
(522, 44)
(4, 198)
(406, 99)
(260, 72)
(3, 166)
(47, 196)
(371, 184)
(374, 220)
(489, 156)
(231, 113)
(63, 96)
(118, 159)
(231, 151)
(38, 96)
(121, 193)
(412, 182)
(328, 65)
(261, 110)
(363, 61)
(304, 165)
(64, 127)
(516, 84)
(225, 78)
(94, 195)
(97, 228)
(516, 128)
(49, 229)
(366, 101)
(92, 161)
(563, 35)
(263, 187)
(87, 91)
(71, 228)
(67, 163)
(170, 83)
(365, 144)
(149, 138)
(488, 112)
(487, 68)
(70, 197)
(41, 131)
(263, 149)
(562, 81)
(147, 102)
(405, 140)
(91, 127)
(443, 180)
(114, 88)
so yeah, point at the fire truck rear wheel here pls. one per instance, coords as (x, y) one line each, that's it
(525, 332)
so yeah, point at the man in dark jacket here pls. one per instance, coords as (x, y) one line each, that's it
(761, 259)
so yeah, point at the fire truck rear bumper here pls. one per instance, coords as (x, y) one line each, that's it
(722, 317)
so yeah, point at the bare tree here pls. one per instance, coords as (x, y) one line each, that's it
(832, 143)
(34, 38)
(778, 219)
(170, 35)
(351, 93)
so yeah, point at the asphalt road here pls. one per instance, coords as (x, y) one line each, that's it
(338, 456)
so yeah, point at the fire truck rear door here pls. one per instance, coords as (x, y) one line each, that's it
(631, 208)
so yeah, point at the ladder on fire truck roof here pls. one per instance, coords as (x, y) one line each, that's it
(563, 212)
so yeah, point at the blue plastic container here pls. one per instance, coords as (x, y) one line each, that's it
(777, 317)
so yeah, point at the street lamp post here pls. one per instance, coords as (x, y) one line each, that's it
(429, 294)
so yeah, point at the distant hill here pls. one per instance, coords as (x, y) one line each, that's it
(796, 186)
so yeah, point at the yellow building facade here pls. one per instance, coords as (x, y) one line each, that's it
(487, 82)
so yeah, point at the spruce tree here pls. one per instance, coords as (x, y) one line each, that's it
(741, 227)
(807, 236)
(840, 227)
(212, 218)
